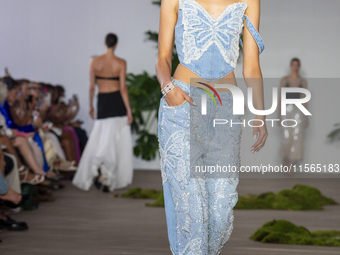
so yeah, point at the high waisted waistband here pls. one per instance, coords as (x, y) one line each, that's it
(110, 105)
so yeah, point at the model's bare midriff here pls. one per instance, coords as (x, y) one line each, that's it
(184, 74)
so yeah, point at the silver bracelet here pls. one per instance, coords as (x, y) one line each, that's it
(168, 87)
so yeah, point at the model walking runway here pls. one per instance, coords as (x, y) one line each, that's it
(108, 152)
(199, 209)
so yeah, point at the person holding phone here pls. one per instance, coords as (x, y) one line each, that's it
(52, 147)
(56, 115)
(23, 124)
(10, 138)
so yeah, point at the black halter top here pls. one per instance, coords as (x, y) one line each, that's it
(107, 78)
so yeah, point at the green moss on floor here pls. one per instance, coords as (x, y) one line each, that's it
(301, 197)
(159, 201)
(285, 232)
(137, 192)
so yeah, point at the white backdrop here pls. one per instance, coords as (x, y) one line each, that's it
(53, 41)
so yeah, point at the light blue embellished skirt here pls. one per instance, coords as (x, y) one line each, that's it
(199, 205)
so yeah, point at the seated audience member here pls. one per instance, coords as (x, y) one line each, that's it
(53, 150)
(22, 97)
(37, 136)
(10, 138)
(57, 114)
(22, 123)
(70, 114)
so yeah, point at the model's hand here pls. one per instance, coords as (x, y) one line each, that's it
(177, 97)
(91, 113)
(130, 118)
(261, 134)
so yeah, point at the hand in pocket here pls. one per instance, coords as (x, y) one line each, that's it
(177, 97)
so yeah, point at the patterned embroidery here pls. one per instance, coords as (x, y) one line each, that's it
(201, 31)
(194, 246)
(172, 156)
(203, 207)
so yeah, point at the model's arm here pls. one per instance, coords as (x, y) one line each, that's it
(252, 71)
(124, 92)
(304, 85)
(166, 38)
(92, 88)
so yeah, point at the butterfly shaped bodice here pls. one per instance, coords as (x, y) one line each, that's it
(210, 47)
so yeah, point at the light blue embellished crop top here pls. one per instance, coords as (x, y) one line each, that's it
(208, 47)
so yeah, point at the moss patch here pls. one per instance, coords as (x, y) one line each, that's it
(159, 201)
(301, 197)
(285, 232)
(137, 192)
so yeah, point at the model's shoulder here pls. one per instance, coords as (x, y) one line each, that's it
(251, 2)
(253, 7)
(96, 58)
(170, 4)
(121, 61)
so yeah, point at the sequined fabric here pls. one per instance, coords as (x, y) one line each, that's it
(199, 211)
(202, 31)
(210, 47)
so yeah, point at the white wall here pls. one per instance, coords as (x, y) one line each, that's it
(303, 28)
(53, 41)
